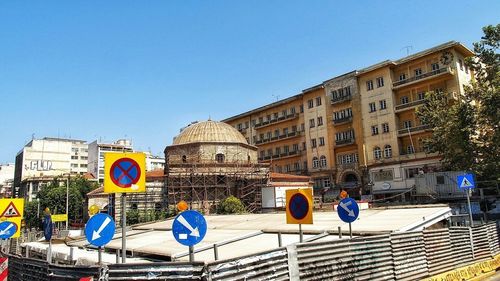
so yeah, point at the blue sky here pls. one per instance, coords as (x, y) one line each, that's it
(144, 69)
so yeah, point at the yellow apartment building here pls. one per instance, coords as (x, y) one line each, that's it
(393, 135)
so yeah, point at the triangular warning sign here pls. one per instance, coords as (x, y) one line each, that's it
(466, 183)
(11, 211)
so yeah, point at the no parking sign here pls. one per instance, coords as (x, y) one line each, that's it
(124, 172)
(299, 206)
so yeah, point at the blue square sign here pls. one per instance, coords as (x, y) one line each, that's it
(466, 181)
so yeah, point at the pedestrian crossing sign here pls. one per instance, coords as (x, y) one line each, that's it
(466, 181)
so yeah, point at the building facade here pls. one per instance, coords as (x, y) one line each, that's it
(96, 152)
(43, 159)
(359, 131)
(6, 179)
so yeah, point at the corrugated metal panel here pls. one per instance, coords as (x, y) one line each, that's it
(493, 238)
(24, 269)
(481, 243)
(438, 250)
(461, 246)
(373, 258)
(60, 272)
(408, 250)
(156, 271)
(271, 265)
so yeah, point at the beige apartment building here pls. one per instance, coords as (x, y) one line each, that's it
(359, 131)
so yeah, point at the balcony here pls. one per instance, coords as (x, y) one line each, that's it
(242, 130)
(281, 137)
(281, 155)
(406, 131)
(405, 106)
(344, 142)
(340, 99)
(342, 120)
(277, 120)
(425, 76)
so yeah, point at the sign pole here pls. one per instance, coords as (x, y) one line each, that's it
(301, 233)
(99, 255)
(468, 191)
(124, 230)
(350, 231)
(191, 253)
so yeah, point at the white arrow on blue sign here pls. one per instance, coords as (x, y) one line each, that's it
(189, 228)
(466, 181)
(348, 210)
(7, 229)
(100, 229)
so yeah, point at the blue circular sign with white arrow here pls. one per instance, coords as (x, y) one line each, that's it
(189, 228)
(7, 229)
(100, 229)
(348, 210)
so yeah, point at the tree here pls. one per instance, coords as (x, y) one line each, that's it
(231, 205)
(466, 131)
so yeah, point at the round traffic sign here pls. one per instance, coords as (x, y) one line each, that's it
(125, 172)
(299, 206)
(348, 210)
(100, 229)
(7, 229)
(189, 228)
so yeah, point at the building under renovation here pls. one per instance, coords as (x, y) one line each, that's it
(209, 161)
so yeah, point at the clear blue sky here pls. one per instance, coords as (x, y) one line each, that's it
(143, 69)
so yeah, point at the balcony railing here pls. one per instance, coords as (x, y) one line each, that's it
(340, 99)
(422, 76)
(345, 141)
(342, 120)
(283, 136)
(277, 120)
(413, 129)
(408, 105)
(281, 155)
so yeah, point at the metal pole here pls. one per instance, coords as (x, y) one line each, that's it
(301, 233)
(124, 230)
(350, 231)
(49, 252)
(280, 242)
(67, 202)
(340, 232)
(216, 252)
(191, 254)
(99, 255)
(117, 255)
(470, 210)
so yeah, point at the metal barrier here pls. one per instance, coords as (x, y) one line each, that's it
(481, 242)
(461, 245)
(155, 271)
(438, 251)
(408, 251)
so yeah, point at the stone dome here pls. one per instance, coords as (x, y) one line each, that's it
(209, 131)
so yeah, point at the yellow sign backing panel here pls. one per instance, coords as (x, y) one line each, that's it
(299, 206)
(59, 217)
(124, 172)
(12, 210)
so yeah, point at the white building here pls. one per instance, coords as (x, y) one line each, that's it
(96, 155)
(154, 162)
(43, 159)
(6, 179)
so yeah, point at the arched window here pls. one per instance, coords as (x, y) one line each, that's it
(322, 161)
(315, 162)
(184, 159)
(387, 151)
(377, 153)
(219, 157)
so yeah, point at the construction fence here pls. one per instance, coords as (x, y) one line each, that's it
(460, 252)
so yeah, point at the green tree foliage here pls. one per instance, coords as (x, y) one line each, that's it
(466, 131)
(31, 215)
(135, 216)
(231, 205)
(53, 196)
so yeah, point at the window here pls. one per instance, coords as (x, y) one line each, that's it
(301, 108)
(347, 135)
(278, 151)
(418, 71)
(254, 138)
(261, 120)
(440, 179)
(372, 107)
(184, 158)
(284, 112)
(254, 122)
(268, 117)
(375, 130)
(466, 69)
(74, 165)
(320, 121)
(383, 175)
(315, 162)
(292, 110)
(276, 133)
(380, 82)
(313, 143)
(275, 116)
(219, 157)
(296, 166)
(402, 76)
(270, 152)
(302, 127)
(318, 101)
(321, 141)
(295, 147)
(387, 151)
(294, 128)
(411, 172)
(287, 168)
(461, 64)
(261, 136)
(303, 145)
(246, 125)
(322, 161)
(285, 131)
(407, 124)
(286, 149)
(311, 123)
(262, 153)
(383, 104)
(269, 135)
(410, 149)
(347, 158)
(369, 85)
(377, 153)
(385, 127)
(84, 158)
(435, 66)
(421, 95)
(239, 127)
(310, 104)
(83, 165)
(404, 100)
(73, 157)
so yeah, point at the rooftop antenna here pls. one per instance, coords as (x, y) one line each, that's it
(408, 48)
(277, 97)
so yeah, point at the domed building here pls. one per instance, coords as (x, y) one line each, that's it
(209, 161)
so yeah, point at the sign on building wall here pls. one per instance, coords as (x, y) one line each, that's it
(124, 172)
